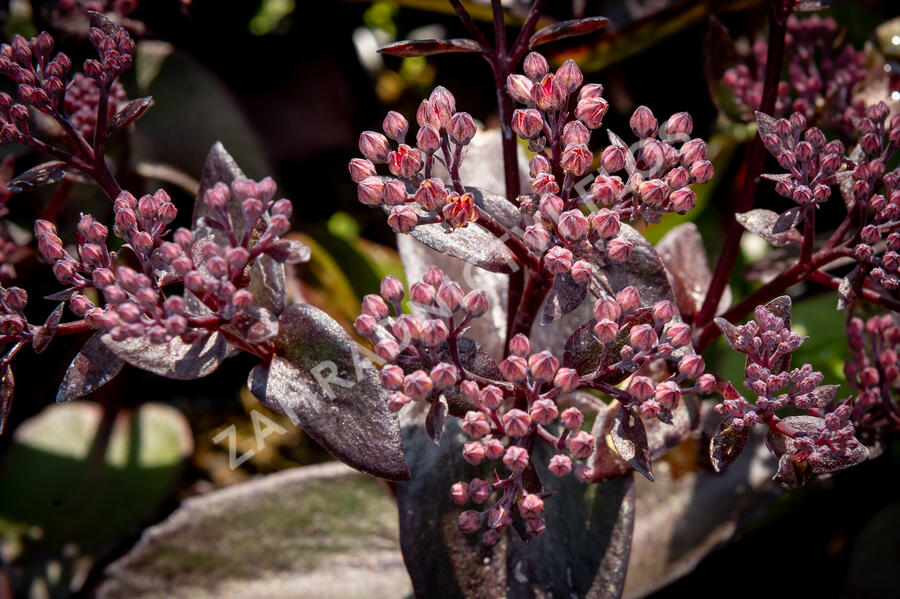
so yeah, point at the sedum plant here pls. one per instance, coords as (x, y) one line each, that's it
(543, 350)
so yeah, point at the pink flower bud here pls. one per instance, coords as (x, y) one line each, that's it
(607, 308)
(473, 452)
(444, 103)
(387, 350)
(652, 192)
(569, 75)
(444, 375)
(397, 400)
(613, 158)
(668, 394)
(395, 126)
(514, 369)
(475, 303)
(538, 164)
(706, 384)
(572, 418)
(449, 296)
(566, 380)
(403, 219)
(461, 128)
(493, 449)
(421, 293)
(558, 260)
(606, 223)
(418, 385)
(475, 424)
(544, 411)
(469, 521)
(548, 93)
(405, 161)
(643, 123)
(498, 518)
(590, 90)
(543, 366)
(536, 237)
(650, 408)
(575, 133)
(391, 376)
(434, 332)
(491, 397)
(519, 88)
(428, 139)
(693, 151)
(590, 110)
(606, 330)
(619, 249)
(641, 387)
(683, 199)
(360, 169)
(679, 124)
(531, 506)
(431, 194)
(535, 66)
(374, 306)
(628, 299)
(519, 345)
(544, 183)
(516, 423)
(527, 123)
(642, 337)
(577, 159)
(374, 146)
(391, 289)
(580, 445)
(572, 225)
(679, 334)
(369, 191)
(582, 271)
(560, 465)
(663, 310)
(459, 493)
(702, 171)
(607, 190)
(516, 458)
(692, 366)
(433, 276)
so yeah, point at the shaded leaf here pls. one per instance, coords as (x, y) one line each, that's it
(38, 176)
(682, 252)
(564, 29)
(726, 445)
(850, 285)
(63, 295)
(254, 325)
(765, 124)
(761, 223)
(7, 390)
(587, 525)
(330, 533)
(788, 220)
(320, 379)
(630, 440)
(94, 366)
(730, 333)
(45, 333)
(719, 55)
(585, 353)
(662, 437)
(128, 114)
(100, 21)
(473, 243)
(782, 446)
(288, 251)
(565, 295)
(413, 48)
(791, 474)
(434, 421)
(174, 359)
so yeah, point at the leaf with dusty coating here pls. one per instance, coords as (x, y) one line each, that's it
(585, 353)
(761, 222)
(414, 48)
(565, 29)
(45, 333)
(565, 295)
(321, 380)
(38, 176)
(783, 446)
(684, 256)
(587, 525)
(174, 359)
(434, 421)
(129, 113)
(726, 445)
(630, 440)
(94, 366)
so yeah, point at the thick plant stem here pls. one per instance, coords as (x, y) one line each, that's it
(536, 289)
(748, 184)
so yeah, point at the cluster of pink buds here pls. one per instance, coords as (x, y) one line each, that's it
(12, 311)
(768, 344)
(819, 75)
(40, 80)
(412, 193)
(874, 371)
(82, 100)
(646, 334)
(116, 53)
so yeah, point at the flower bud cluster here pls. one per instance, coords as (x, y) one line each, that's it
(873, 370)
(12, 311)
(82, 100)
(115, 52)
(40, 80)
(820, 74)
(415, 197)
(656, 178)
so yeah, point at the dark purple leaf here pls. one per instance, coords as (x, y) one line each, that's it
(267, 277)
(681, 251)
(726, 445)
(129, 114)
(288, 251)
(586, 354)
(99, 21)
(788, 220)
(38, 176)
(320, 379)
(605, 462)
(850, 285)
(473, 243)
(730, 333)
(761, 223)
(814, 5)
(825, 394)
(44, 334)
(254, 325)
(791, 474)
(61, 296)
(662, 437)
(434, 421)
(174, 359)
(719, 55)
(565, 295)
(630, 440)
(413, 48)
(94, 366)
(564, 29)
(7, 389)
(765, 125)
(590, 525)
